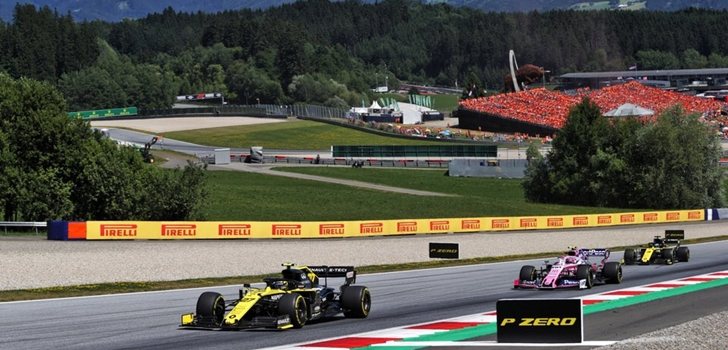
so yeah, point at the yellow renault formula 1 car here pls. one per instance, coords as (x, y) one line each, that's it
(285, 302)
(661, 250)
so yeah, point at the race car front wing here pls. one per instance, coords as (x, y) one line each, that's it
(535, 284)
(276, 322)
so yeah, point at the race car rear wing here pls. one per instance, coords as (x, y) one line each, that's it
(347, 272)
(674, 236)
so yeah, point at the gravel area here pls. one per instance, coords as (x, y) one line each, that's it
(186, 123)
(32, 262)
(709, 333)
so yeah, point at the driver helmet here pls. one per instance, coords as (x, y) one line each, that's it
(280, 284)
(572, 251)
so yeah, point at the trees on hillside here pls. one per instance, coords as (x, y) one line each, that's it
(351, 42)
(671, 163)
(41, 44)
(54, 167)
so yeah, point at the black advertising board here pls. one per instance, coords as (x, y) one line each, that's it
(674, 234)
(540, 321)
(444, 250)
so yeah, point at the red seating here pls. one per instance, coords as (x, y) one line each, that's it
(550, 108)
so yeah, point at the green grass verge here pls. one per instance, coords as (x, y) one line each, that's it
(130, 287)
(249, 196)
(22, 233)
(161, 156)
(296, 135)
(445, 103)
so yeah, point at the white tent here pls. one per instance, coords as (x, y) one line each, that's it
(629, 109)
(375, 105)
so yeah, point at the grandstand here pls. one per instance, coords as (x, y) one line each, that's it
(542, 112)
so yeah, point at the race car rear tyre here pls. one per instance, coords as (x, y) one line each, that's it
(612, 272)
(294, 306)
(683, 254)
(630, 257)
(528, 273)
(668, 255)
(583, 272)
(356, 301)
(211, 307)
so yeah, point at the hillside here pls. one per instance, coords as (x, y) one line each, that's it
(116, 10)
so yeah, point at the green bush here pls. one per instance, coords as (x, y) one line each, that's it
(668, 164)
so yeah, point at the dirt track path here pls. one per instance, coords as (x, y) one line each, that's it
(266, 169)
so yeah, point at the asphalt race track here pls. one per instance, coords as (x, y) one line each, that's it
(149, 320)
(632, 321)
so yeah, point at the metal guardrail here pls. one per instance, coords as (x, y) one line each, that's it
(31, 224)
(341, 161)
(257, 110)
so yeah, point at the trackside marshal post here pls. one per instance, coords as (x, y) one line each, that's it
(540, 321)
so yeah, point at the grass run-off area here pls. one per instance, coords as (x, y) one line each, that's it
(295, 135)
(249, 196)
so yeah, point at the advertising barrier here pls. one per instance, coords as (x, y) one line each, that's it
(540, 321)
(444, 250)
(120, 230)
(104, 113)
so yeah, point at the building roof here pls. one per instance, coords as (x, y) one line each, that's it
(629, 109)
(647, 73)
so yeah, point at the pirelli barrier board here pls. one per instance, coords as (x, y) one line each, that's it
(540, 321)
(110, 230)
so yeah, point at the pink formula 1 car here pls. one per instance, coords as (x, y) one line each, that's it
(572, 270)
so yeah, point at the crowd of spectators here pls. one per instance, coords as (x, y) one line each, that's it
(550, 108)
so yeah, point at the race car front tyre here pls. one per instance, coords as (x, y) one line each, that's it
(583, 272)
(294, 306)
(630, 257)
(356, 301)
(528, 273)
(211, 307)
(683, 254)
(612, 272)
(668, 255)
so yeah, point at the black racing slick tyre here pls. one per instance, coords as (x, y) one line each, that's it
(612, 272)
(211, 307)
(583, 272)
(683, 254)
(294, 306)
(356, 302)
(668, 255)
(528, 273)
(630, 257)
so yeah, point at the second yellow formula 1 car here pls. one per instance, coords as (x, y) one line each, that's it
(661, 250)
(285, 302)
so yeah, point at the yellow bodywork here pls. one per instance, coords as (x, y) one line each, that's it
(647, 255)
(187, 319)
(246, 303)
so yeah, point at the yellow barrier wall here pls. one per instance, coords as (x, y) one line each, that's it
(121, 230)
